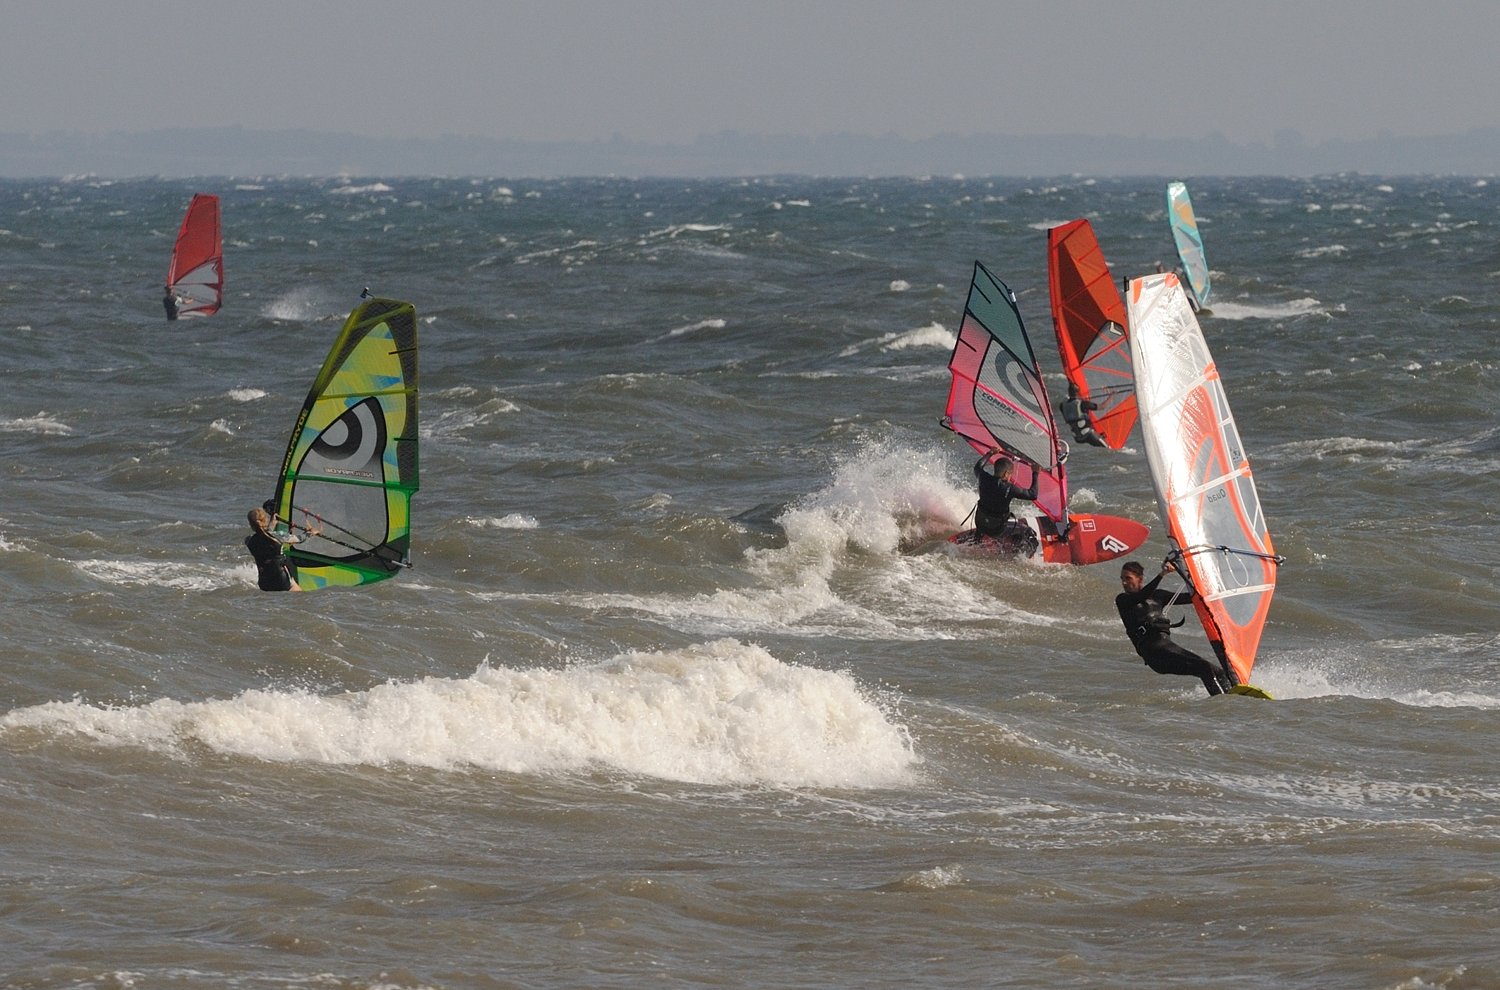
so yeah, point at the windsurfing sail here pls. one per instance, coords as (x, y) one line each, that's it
(1202, 477)
(196, 273)
(1089, 317)
(1189, 242)
(997, 397)
(351, 465)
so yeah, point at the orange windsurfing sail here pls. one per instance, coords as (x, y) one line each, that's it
(196, 273)
(1089, 318)
(1202, 477)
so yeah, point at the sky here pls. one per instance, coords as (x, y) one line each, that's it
(668, 71)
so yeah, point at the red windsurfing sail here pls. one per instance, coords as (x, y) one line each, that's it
(1089, 317)
(196, 274)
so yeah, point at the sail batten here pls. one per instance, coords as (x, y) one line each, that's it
(1204, 485)
(196, 271)
(351, 464)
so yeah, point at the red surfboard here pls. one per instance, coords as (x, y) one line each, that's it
(1091, 539)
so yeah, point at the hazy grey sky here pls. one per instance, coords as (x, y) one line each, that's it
(668, 71)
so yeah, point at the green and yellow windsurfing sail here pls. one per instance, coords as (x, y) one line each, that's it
(351, 465)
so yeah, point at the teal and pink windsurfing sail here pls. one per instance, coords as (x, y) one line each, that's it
(1092, 338)
(196, 273)
(997, 397)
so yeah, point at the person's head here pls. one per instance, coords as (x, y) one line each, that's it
(1132, 575)
(260, 519)
(1072, 390)
(1004, 468)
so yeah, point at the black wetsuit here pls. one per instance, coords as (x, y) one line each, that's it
(169, 303)
(1150, 634)
(993, 511)
(1075, 414)
(271, 561)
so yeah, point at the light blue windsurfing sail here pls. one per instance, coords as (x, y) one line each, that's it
(1189, 242)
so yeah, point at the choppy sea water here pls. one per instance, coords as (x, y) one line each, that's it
(668, 699)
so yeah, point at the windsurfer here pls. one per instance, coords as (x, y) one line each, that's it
(996, 491)
(170, 301)
(1140, 606)
(275, 572)
(1075, 412)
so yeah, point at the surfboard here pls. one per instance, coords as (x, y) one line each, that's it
(1090, 539)
(1250, 691)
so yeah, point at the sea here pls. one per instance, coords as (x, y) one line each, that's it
(684, 687)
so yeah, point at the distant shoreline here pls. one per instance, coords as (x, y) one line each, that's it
(236, 151)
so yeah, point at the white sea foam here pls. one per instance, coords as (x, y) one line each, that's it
(455, 422)
(900, 285)
(514, 520)
(881, 501)
(245, 394)
(715, 323)
(678, 229)
(348, 190)
(1323, 252)
(40, 423)
(933, 335)
(185, 576)
(721, 712)
(303, 303)
(1231, 310)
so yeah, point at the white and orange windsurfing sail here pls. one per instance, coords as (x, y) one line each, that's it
(997, 397)
(1202, 476)
(1089, 317)
(196, 274)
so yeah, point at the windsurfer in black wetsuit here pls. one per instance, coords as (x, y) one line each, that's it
(274, 569)
(170, 301)
(1140, 606)
(1075, 412)
(996, 491)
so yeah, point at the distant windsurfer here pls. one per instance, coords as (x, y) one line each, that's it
(274, 568)
(996, 491)
(170, 301)
(1075, 412)
(1141, 609)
